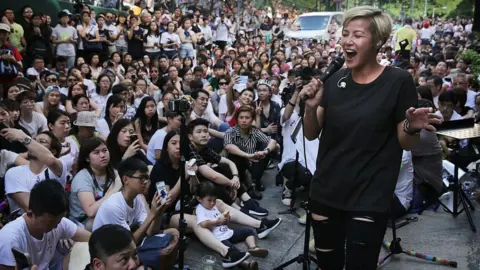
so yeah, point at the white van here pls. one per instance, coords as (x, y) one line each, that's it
(314, 25)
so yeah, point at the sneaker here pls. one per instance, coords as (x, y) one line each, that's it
(255, 194)
(234, 257)
(286, 196)
(302, 220)
(267, 226)
(259, 186)
(252, 207)
(271, 165)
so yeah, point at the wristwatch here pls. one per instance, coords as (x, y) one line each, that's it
(26, 141)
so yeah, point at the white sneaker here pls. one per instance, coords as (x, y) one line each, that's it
(286, 196)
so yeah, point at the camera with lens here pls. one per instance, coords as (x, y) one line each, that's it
(305, 73)
(110, 64)
(287, 92)
(180, 105)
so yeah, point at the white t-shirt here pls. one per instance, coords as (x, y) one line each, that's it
(91, 30)
(22, 179)
(155, 143)
(70, 158)
(455, 116)
(7, 158)
(165, 37)
(221, 232)
(16, 235)
(290, 148)
(101, 101)
(102, 127)
(207, 115)
(115, 210)
(150, 41)
(38, 124)
(404, 188)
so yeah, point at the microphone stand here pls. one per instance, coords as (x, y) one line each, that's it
(305, 258)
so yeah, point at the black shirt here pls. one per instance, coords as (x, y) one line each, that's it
(359, 155)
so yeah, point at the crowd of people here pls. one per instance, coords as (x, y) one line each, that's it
(89, 104)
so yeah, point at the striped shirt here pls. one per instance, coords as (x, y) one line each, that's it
(255, 141)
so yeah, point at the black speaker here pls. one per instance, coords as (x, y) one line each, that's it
(476, 17)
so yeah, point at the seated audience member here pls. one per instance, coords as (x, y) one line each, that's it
(461, 107)
(156, 142)
(9, 117)
(113, 112)
(447, 102)
(167, 170)
(128, 208)
(32, 121)
(289, 120)
(59, 125)
(43, 231)
(404, 188)
(112, 247)
(123, 143)
(219, 170)
(269, 117)
(146, 122)
(95, 181)
(84, 128)
(200, 110)
(209, 217)
(249, 148)
(43, 153)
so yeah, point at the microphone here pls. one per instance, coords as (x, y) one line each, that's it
(334, 66)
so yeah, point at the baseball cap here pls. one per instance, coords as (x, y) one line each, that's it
(5, 27)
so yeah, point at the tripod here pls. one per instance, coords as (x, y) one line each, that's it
(305, 258)
(395, 248)
(182, 223)
(459, 195)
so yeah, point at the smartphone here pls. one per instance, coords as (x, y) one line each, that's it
(3, 126)
(23, 259)
(133, 137)
(191, 162)
(161, 190)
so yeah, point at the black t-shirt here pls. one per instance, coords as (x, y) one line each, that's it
(359, 155)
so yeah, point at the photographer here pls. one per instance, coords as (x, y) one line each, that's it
(9, 55)
(289, 120)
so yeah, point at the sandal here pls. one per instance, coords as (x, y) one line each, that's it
(258, 252)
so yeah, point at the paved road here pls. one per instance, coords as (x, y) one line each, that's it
(435, 233)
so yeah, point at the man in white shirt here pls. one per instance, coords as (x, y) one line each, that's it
(206, 30)
(43, 152)
(447, 102)
(43, 232)
(127, 207)
(33, 122)
(37, 67)
(222, 26)
(289, 121)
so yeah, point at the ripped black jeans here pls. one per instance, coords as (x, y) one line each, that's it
(360, 233)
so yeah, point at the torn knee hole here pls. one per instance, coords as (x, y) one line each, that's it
(319, 217)
(365, 219)
(324, 250)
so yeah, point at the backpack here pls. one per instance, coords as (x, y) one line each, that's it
(7, 69)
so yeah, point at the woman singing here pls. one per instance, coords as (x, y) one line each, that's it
(366, 114)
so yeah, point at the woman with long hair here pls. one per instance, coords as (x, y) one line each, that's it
(113, 112)
(122, 27)
(146, 121)
(85, 71)
(123, 143)
(51, 101)
(94, 182)
(187, 38)
(88, 32)
(353, 187)
(167, 169)
(37, 35)
(135, 38)
(151, 42)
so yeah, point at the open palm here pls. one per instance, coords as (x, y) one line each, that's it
(422, 118)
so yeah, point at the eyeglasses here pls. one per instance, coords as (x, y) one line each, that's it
(51, 80)
(142, 178)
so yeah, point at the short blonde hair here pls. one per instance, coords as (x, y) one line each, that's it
(381, 24)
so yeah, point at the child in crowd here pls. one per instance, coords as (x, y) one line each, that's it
(209, 217)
